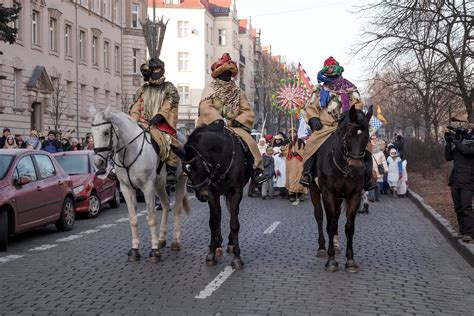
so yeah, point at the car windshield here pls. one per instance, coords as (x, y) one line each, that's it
(74, 164)
(5, 161)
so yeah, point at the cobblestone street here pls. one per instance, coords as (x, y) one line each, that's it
(406, 267)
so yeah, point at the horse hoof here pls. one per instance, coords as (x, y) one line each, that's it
(161, 244)
(219, 252)
(322, 253)
(211, 259)
(230, 249)
(176, 246)
(351, 266)
(133, 255)
(154, 256)
(332, 266)
(237, 264)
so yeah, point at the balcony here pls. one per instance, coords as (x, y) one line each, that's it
(242, 60)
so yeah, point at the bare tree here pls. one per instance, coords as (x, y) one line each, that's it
(58, 107)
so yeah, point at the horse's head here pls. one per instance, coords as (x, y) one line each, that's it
(103, 134)
(353, 132)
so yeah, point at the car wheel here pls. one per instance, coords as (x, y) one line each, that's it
(115, 202)
(68, 215)
(3, 230)
(94, 206)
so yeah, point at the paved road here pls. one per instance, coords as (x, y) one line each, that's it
(406, 268)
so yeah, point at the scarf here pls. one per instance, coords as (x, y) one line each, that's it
(337, 85)
(228, 92)
(155, 93)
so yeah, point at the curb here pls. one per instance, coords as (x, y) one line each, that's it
(464, 249)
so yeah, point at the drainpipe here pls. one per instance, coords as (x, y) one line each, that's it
(77, 73)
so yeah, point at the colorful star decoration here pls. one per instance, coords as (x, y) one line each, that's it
(289, 97)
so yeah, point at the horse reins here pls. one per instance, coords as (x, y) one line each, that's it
(109, 148)
(346, 155)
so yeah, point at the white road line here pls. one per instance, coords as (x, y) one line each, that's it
(216, 283)
(140, 214)
(90, 231)
(10, 258)
(192, 197)
(121, 220)
(106, 226)
(69, 238)
(42, 247)
(272, 227)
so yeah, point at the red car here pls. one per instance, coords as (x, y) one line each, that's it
(91, 188)
(34, 192)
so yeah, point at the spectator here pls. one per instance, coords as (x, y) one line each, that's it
(41, 137)
(380, 168)
(262, 145)
(89, 142)
(402, 182)
(269, 139)
(268, 172)
(65, 145)
(399, 144)
(393, 171)
(51, 145)
(294, 167)
(33, 141)
(75, 144)
(3, 139)
(10, 142)
(280, 140)
(20, 142)
(280, 171)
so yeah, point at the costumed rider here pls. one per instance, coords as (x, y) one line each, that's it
(224, 103)
(155, 106)
(330, 99)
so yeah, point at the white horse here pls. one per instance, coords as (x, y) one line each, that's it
(117, 136)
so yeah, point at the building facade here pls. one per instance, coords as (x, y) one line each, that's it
(197, 34)
(68, 56)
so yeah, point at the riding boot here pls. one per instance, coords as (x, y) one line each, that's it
(369, 184)
(308, 176)
(170, 175)
(258, 176)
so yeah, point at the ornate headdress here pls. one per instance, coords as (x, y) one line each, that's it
(223, 64)
(154, 33)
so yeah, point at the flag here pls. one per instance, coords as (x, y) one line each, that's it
(375, 123)
(304, 78)
(302, 128)
(380, 115)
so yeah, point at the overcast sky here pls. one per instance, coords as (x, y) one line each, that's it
(309, 31)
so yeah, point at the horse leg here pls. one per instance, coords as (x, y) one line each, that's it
(180, 194)
(214, 220)
(351, 212)
(338, 204)
(331, 228)
(318, 214)
(131, 200)
(149, 193)
(165, 203)
(234, 202)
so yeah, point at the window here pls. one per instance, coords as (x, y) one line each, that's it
(116, 11)
(25, 168)
(82, 45)
(96, 97)
(45, 166)
(184, 31)
(95, 47)
(106, 9)
(34, 28)
(135, 10)
(52, 34)
(17, 23)
(83, 96)
(17, 80)
(107, 96)
(183, 62)
(135, 61)
(106, 55)
(84, 3)
(222, 39)
(95, 6)
(67, 40)
(69, 94)
(184, 95)
(171, 2)
(117, 58)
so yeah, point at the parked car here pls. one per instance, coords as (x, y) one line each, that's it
(34, 191)
(92, 188)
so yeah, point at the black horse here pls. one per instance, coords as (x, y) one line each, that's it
(217, 164)
(340, 171)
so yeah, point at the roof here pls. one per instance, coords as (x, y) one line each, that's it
(243, 26)
(215, 7)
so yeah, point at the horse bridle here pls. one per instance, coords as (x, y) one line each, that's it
(211, 171)
(109, 148)
(347, 155)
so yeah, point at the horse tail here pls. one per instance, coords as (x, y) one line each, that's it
(186, 205)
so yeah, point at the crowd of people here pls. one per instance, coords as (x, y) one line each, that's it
(51, 142)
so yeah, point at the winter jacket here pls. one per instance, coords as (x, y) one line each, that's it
(378, 158)
(462, 154)
(268, 166)
(51, 146)
(33, 143)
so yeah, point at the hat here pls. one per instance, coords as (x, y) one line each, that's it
(223, 64)
(269, 137)
(332, 67)
(393, 150)
(51, 133)
(278, 136)
(261, 138)
(41, 134)
(276, 150)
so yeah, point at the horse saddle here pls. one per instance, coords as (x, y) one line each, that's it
(239, 140)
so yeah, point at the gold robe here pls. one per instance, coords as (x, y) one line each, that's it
(294, 167)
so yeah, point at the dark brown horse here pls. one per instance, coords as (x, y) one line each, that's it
(339, 168)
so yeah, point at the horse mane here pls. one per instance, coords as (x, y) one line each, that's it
(198, 131)
(361, 119)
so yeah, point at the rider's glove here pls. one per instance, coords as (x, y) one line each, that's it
(158, 118)
(315, 124)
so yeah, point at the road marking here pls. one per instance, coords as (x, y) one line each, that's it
(140, 214)
(69, 238)
(106, 226)
(43, 247)
(90, 231)
(271, 228)
(10, 258)
(121, 220)
(216, 283)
